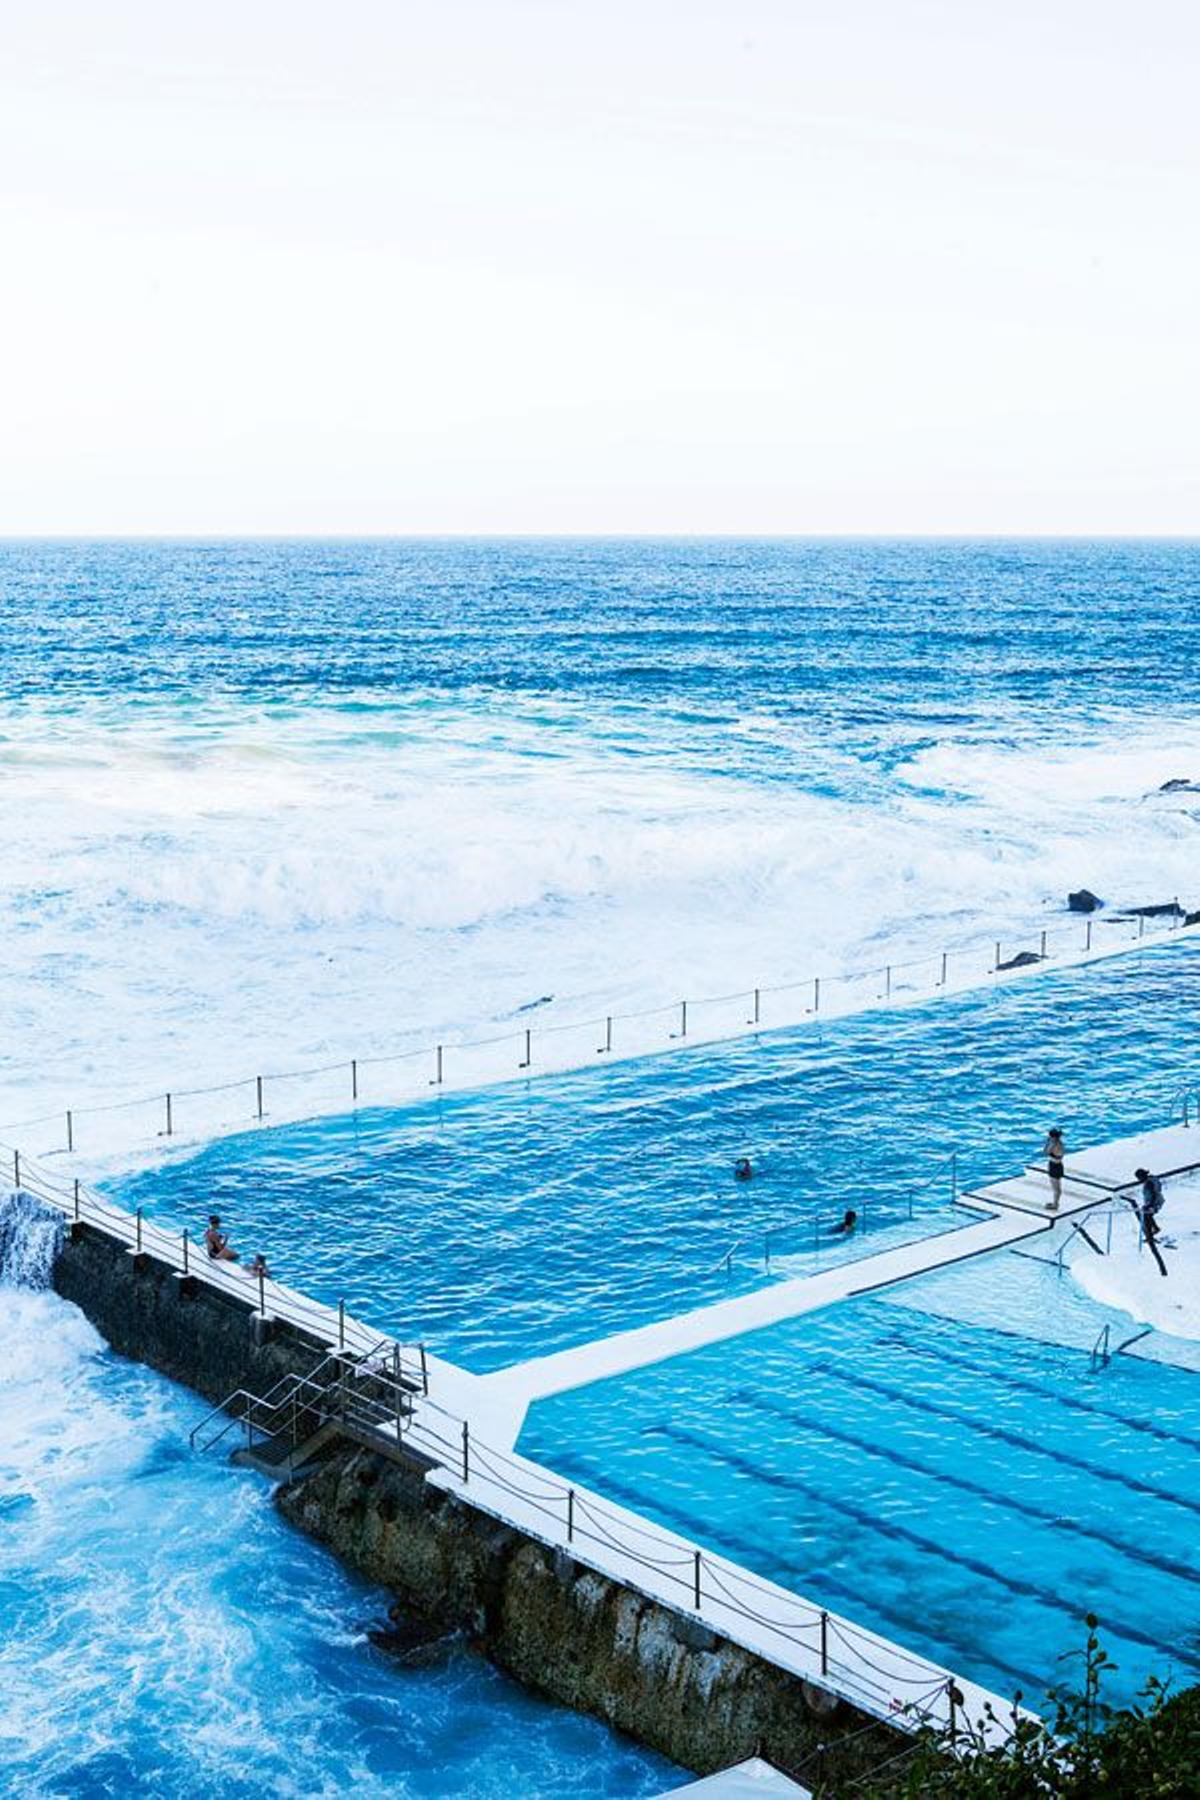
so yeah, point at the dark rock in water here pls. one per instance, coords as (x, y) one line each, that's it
(1178, 784)
(409, 1634)
(1021, 960)
(1084, 901)
(1192, 918)
(532, 1005)
(1162, 909)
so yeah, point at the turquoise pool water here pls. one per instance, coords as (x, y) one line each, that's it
(958, 1483)
(536, 1216)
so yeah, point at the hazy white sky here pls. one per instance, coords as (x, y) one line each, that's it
(599, 265)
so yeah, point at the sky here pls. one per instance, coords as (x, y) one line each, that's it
(493, 266)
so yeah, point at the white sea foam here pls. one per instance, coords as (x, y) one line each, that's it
(197, 891)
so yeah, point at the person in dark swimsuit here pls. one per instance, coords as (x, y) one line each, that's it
(849, 1223)
(1054, 1150)
(216, 1242)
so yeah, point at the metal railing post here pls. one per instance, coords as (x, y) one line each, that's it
(1088, 941)
(570, 1514)
(399, 1395)
(341, 1324)
(77, 1196)
(16, 1168)
(683, 1018)
(1141, 925)
(185, 1252)
(606, 1046)
(528, 1049)
(887, 991)
(696, 1579)
(262, 1294)
(138, 1217)
(942, 980)
(824, 1643)
(757, 1008)
(816, 993)
(466, 1452)
(258, 1084)
(354, 1078)
(437, 1080)
(424, 1372)
(70, 1131)
(1043, 946)
(169, 1124)
(996, 970)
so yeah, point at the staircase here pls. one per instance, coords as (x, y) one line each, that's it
(366, 1398)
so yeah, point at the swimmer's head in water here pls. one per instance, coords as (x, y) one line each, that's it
(742, 1168)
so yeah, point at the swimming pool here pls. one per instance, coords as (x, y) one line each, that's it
(533, 1217)
(958, 1483)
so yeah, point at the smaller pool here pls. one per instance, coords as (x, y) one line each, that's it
(966, 1488)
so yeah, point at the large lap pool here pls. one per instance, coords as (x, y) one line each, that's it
(532, 1217)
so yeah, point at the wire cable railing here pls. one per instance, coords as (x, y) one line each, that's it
(457, 1061)
(189, 1261)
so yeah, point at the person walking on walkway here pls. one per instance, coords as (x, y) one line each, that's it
(1148, 1211)
(1054, 1150)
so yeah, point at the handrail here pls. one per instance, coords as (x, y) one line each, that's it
(764, 1233)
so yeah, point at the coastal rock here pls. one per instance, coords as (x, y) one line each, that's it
(1161, 909)
(1084, 901)
(1179, 784)
(1022, 960)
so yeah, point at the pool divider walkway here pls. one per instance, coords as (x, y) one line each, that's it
(1007, 1213)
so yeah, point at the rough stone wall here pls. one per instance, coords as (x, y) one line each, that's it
(206, 1340)
(575, 1635)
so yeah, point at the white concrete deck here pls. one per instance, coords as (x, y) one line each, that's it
(510, 1391)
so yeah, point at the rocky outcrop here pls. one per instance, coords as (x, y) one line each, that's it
(1024, 959)
(1084, 901)
(577, 1636)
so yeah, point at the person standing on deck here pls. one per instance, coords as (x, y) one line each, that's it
(1054, 1150)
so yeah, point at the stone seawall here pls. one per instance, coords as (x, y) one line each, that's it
(577, 1636)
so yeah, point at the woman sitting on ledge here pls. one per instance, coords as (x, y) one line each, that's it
(216, 1242)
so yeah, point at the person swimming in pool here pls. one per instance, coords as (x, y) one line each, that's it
(849, 1224)
(1054, 1150)
(743, 1169)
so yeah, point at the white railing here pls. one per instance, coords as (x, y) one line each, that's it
(188, 1259)
(457, 1062)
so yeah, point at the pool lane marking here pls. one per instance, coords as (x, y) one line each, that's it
(846, 1507)
(996, 1496)
(1003, 1435)
(1023, 1384)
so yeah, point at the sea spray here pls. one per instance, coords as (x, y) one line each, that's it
(31, 1235)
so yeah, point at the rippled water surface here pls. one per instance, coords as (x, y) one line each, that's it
(527, 1218)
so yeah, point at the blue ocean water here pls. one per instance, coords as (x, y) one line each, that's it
(269, 803)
